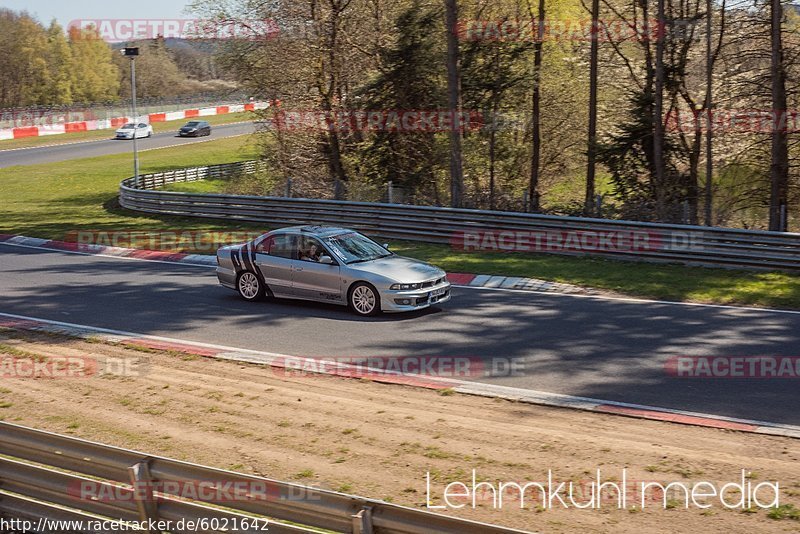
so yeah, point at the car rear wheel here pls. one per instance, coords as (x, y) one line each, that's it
(364, 300)
(249, 286)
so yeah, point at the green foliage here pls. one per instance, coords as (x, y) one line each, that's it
(41, 66)
(410, 78)
(94, 75)
(23, 63)
(157, 74)
(45, 66)
(629, 157)
(59, 61)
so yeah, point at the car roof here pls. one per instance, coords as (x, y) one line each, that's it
(315, 230)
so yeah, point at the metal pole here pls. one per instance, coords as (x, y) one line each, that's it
(135, 123)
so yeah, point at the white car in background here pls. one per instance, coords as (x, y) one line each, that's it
(126, 131)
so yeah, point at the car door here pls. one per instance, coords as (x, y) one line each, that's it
(141, 130)
(273, 257)
(313, 280)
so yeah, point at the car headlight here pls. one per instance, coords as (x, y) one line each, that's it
(401, 287)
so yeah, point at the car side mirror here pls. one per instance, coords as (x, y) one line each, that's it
(386, 246)
(327, 260)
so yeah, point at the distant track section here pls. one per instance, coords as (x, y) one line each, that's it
(116, 122)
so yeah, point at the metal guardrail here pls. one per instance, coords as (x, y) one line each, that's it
(653, 242)
(51, 487)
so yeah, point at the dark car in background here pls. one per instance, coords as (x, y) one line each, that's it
(195, 129)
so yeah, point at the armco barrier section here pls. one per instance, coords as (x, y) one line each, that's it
(472, 229)
(54, 486)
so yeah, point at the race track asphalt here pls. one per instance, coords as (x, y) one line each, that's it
(104, 147)
(593, 347)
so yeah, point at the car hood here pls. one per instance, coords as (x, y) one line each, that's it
(400, 269)
(124, 131)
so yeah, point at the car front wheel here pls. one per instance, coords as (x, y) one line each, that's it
(249, 286)
(364, 300)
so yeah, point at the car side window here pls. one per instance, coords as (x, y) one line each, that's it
(263, 246)
(310, 249)
(282, 246)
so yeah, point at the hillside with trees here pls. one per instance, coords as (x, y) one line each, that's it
(48, 66)
(614, 126)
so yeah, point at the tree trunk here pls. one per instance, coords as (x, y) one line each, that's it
(658, 112)
(454, 104)
(692, 186)
(709, 115)
(591, 151)
(495, 99)
(779, 167)
(533, 186)
(492, 144)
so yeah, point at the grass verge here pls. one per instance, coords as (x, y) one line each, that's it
(54, 200)
(664, 282)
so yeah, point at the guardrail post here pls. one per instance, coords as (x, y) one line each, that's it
(390, 189)
(288, 187)
(362, 521)
(142, 484)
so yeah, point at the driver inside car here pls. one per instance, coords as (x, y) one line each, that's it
(312, 253)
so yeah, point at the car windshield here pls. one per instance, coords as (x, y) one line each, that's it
(192, 124)
(128, 126)
(353, 247)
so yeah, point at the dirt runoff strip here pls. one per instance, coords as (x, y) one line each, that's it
(393, 442)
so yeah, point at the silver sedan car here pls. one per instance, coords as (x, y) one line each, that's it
(329, 264)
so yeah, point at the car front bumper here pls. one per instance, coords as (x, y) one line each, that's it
(417, 299)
